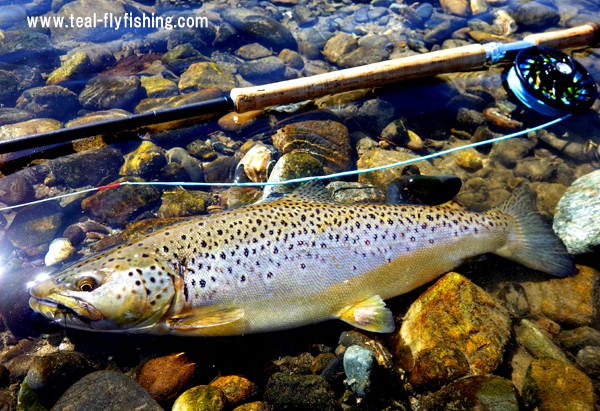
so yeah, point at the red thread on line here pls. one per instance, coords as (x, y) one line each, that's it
(110, 186)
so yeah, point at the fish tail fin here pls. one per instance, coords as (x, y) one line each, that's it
(532, 242)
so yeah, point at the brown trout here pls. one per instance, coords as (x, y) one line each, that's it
(298, 260)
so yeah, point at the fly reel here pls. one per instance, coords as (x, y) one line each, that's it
(551, 82)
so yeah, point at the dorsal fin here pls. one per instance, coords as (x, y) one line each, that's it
(312, 192)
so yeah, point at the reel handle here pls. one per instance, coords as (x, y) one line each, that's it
(390, 71)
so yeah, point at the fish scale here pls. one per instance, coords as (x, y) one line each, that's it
(303, 259)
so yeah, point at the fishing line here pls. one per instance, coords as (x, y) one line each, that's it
(294, 180)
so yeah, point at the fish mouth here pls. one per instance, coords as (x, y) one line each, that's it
(63, 308)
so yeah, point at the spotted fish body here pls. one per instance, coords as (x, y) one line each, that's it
(287, 263)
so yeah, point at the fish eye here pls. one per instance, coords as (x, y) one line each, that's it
(86, 284)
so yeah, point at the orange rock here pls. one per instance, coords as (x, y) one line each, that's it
(237, 389)
(164, 378)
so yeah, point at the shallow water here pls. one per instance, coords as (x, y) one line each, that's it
(355, 130)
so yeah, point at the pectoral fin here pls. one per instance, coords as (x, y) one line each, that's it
(201, 319)
(370, 315)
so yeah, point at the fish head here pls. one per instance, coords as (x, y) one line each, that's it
(123, 290)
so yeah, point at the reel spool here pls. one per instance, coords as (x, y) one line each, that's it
(551, 82)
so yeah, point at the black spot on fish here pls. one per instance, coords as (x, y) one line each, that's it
(131, 273)
(165, 249)
(138, 283)
(167, 233)
(148, 292)
(185, 291)
(202, 283)
(183, 237)
(243, 278)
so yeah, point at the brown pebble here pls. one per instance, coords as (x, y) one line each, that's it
(237, 389)
(469, 161)
(320, 362)
(164, 378)
(495, 116)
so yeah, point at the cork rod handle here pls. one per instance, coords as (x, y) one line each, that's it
(386, 72)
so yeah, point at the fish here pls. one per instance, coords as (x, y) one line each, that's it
(294, 261)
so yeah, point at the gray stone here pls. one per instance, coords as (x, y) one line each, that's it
(263, 71)
(509, 152)
(107, 391)
(438, 34)
(338, 46)
(49, 101)
(359, 364)
(29, 49)
(538, 342)
(375, 115)
(303, 16)
(579, 337)
(253, 51)
(35, 225)
(362, 56)
(588, 359)
(264, 30)
(51, 375)
(104, 93)
(86, 168)
(577, 219)
(533, 15)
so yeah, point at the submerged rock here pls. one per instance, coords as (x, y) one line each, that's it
(459, 315)
(555, 386)
(183, 203)
(436, 367)
(144, 161)
(86, 168)
(327, 141)
(538, 342)
(206, 75)
(236, 388)
(164, 378)
(570, 300)
(104, 93)
(37, 125)
(36, 224)
(76, 68)
(158, 87)
(118, 205)
(15, 189)
(359, 366)
(299, 392)
(49, 101)
(577, 219)
(108, 391)
(264, 30)
(201, 398)
(60, 249)
(481, 392)
(52, 375)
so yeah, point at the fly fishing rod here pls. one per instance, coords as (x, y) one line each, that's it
(369, 76)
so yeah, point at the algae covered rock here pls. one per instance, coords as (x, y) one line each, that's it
(206, 75)
(438, 366)
(118, 205)
(236, 388)
(49, 101)
(201, 398)
(552, 385)
(103, 93)
(145, 161)
(157, 86)
(379, 157)
(570, 300)
(459, 315)
(480, 392)
(182, 203)
(76, 68)
(297, 392)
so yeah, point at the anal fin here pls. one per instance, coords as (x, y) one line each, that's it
(201, 319)
(370, 315)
